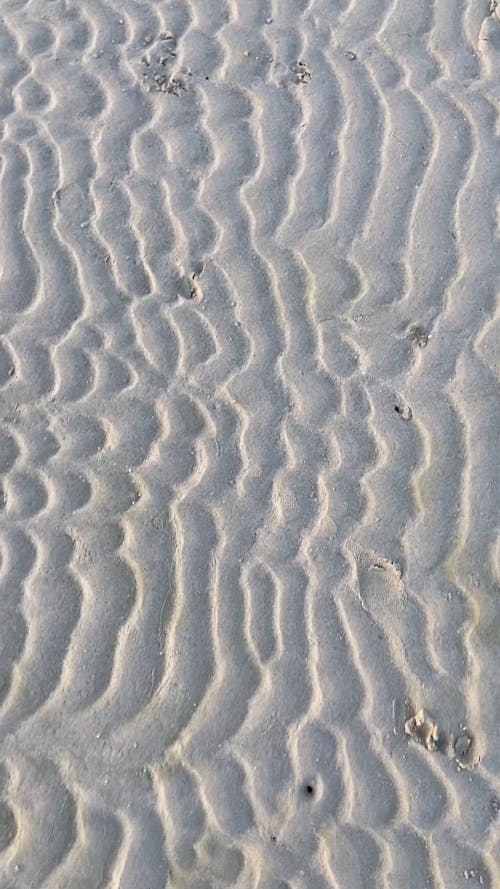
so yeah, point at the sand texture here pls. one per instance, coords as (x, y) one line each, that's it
(249, 473)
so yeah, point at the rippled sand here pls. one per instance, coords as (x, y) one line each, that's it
(249, 382)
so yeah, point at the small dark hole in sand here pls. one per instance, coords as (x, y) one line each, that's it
(309, 789)
(273, 838)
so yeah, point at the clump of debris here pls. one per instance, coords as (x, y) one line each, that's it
(404, 410)
(422, 730)
(301, 72)
(418, 335)
(460, 747)
(472, 873)
(157, 75)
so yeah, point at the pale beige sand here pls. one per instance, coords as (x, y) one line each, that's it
(249, 256)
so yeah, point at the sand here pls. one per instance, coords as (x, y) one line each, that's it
(249, 382)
